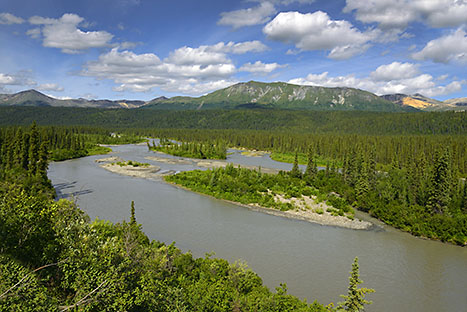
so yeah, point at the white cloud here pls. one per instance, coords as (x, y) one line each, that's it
(442, 77)
(18, 79)
(186, 70)
(379, 81)
(238, 48)
(448, 48)
(9, 19)
(213, 54)
(7, 79)
(59, 97)
(50, 87)
(248, 17)
(395, 71)
(201, 55)
(285, 2)
(398, 14)
(64, 34)
(260, 68)
(34, 33)
(316, 31)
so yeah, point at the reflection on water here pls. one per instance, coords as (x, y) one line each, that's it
(408, 274)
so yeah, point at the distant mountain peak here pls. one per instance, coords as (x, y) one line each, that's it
(33, 97)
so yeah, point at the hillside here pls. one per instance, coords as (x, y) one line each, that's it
(281, 95)
(456, 104)
(35, 98)
(425, 103)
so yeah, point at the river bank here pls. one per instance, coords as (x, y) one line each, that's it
(207, 163)
(146, 171)
(301, 213)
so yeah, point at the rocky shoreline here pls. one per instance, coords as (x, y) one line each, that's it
(325, 219)
(206, 163)
(144, 172)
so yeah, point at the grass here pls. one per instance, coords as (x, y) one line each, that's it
(302, 159)
(98, 150)
(132, 163)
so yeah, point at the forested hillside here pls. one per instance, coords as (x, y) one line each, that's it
(283, 120)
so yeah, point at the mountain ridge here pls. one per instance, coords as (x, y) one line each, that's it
(256, 95)
(281, 95)
(35, 98)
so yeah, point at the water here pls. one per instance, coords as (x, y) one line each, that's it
(408, 274)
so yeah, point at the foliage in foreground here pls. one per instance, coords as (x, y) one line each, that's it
(100, 266)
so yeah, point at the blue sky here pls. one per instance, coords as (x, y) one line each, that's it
(141, 49)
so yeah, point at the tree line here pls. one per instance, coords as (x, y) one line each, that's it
(355, 122)
(209, 150)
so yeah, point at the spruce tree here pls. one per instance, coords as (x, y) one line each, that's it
(355, 299)
(440, 188)
(25, 151)
(133, 217)
(42, 163)
(311, 169)
(295, 172)
(464, 198)
(33, 149)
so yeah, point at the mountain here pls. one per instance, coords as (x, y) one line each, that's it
(35, 98)
(281, 95)
(417, 100)
(456, 104)
(425, 103)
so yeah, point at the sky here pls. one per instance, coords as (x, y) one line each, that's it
(143, 49)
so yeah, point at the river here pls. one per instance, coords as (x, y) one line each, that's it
(408, 273)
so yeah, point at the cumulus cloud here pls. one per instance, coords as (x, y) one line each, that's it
(285, 2)
(316, 31)
(261, 68)
(185, 70)
(248, 17)
(385, 80)
(448, 48)
(50, 87)
(64, 34)
(17, 79)
(213, 54)
(9, 19)
(34, 33)
(390, 14)
(395, 71)
(239, 48)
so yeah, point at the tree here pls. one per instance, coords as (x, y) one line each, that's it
(133, 218)
(464, 198)
(440, 188)
(355, 299)
(311, 169)
(295, 172)
(33, 149)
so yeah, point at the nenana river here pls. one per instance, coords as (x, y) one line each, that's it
(408, 273)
